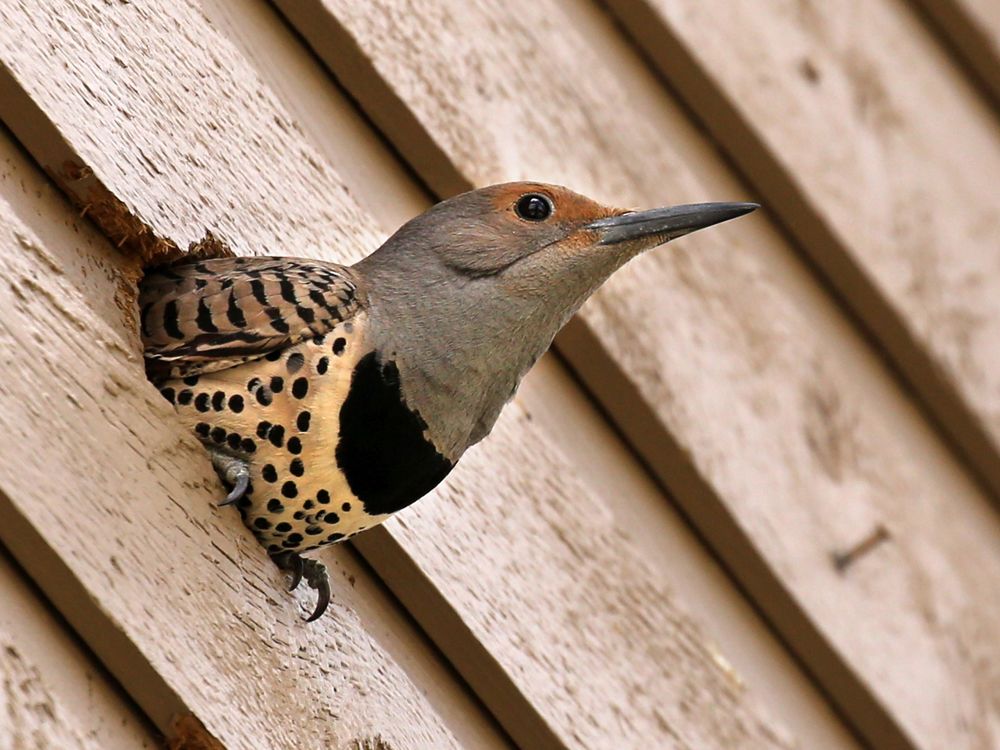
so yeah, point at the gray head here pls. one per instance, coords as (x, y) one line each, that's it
(466, 296)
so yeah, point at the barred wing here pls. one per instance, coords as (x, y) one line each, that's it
(207, 315)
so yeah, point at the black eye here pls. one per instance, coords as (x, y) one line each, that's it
(533, 207)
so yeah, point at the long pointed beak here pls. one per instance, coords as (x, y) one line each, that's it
(665, 224)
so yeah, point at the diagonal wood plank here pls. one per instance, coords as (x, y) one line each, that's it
(52, 693)
(973, 28)
(885, 172)
(168, 178)
(724, 361)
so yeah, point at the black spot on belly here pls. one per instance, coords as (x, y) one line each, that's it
(382, 451)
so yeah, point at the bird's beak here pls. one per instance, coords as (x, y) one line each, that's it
(659, 225)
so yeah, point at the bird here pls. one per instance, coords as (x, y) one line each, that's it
(330, 397)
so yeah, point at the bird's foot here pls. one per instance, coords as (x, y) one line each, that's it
(235, 472)
(314, 573)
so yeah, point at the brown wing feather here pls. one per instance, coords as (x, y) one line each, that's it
(207, 315)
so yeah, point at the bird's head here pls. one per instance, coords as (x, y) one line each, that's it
(531, 240)
(492, 230)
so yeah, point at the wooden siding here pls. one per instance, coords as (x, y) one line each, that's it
(972, 27)
(729, 343)
(885, 173)
(643, 553)
(52, 693)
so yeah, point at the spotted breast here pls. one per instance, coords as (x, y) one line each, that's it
(270, 363)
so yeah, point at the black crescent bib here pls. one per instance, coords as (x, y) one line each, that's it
(382, 449)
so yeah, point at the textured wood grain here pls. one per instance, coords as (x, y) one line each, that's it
(973, 28)
(694, 696)
(884, 171)
(131, 88)
(782, 433)
(579, 623)
(52, 693)
(655, 531)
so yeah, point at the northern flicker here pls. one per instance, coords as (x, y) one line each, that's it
(329, 397)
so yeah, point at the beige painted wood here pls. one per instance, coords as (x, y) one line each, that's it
(548, 665)
(880, 156)
(653, 529)
(723, 360)
(119, 90)
(109, 504)
(52, 693)
(973, 28)
(534, 565)
(324, 116)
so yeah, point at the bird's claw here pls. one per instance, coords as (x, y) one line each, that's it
(233, 471)
(314, 573)
(239, 488)
(296, 564)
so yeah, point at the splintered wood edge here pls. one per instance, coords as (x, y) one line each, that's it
(188, 733)
(141, 247)
(67, 169)
(810, 234)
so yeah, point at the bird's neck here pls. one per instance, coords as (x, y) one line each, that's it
(460, 357)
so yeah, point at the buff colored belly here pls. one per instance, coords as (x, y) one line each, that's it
(281, 414)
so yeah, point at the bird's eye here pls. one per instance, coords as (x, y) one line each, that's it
(533, 207)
